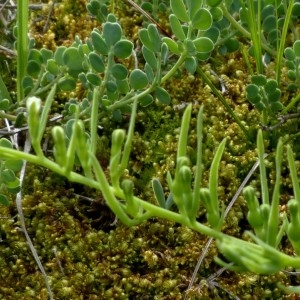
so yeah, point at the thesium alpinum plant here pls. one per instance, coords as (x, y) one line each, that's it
(118, 78)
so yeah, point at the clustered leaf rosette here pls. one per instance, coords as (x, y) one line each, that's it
(292, 55)
(190, 23)
(264, 94)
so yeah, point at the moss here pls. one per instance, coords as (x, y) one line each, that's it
(85, 254)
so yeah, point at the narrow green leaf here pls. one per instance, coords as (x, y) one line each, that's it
(177, 28)
(99, 43)
(154, 37)
(4, 200)
(158, 192)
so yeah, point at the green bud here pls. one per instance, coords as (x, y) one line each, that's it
(118, 138)
(33, 108)
(60, 149)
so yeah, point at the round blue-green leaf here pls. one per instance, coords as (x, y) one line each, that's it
(123, 86)
(212, 33)
(213, 2)
(123, 49)
(259, 80)
(4, 104)
(96, 62)
(260, 106)
(46, 78)
(13, 186)
(149, 72)
(4, 200)
(256, 100)
(193, 6)
(99, 43)
(190, 47)
(67, 84)
(203, 44)
(275, 96)
(5, 143)
(93, 79)
(27, 83)
(177, 28)
(203, 56)
(52, 67)
(147, 6)
(72, 59)
(276, 107)
(20, 120)
(146, 100)
(271, 86)
(138, 79)
(58, 55)
(252, 91)
(172, 45)
(33, 68)
(269, 23)
(8, 175)
(232, 45)
(290, 64)
(112, 33)
(296, 48)
(119, 71)
(179, 10)
(202, 20)
(162, 95)
(292, 75)
(111, 18)
(82, 78)
(14, 164)
(217, 13)
(268, 10)
(289, 53)
(46, 54)
(296, 10)
(111, 86)
(191, 64)
(35, 55)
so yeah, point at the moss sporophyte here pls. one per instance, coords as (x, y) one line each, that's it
(136, 154)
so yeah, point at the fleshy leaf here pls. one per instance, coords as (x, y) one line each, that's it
(179, 10)
(138, 79)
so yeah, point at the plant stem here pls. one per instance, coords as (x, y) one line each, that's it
(22, 45)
